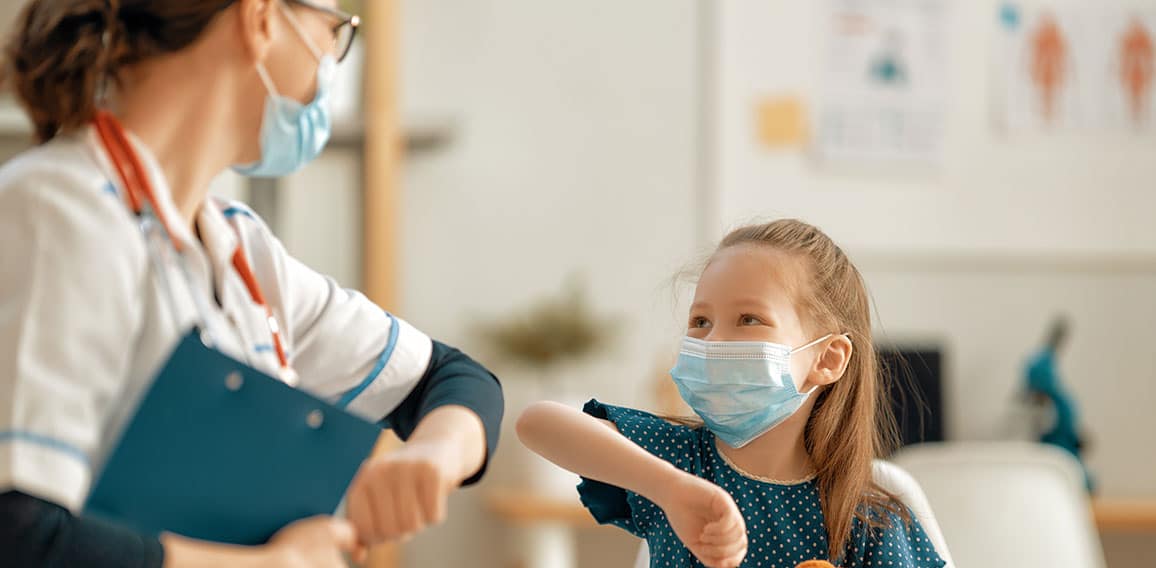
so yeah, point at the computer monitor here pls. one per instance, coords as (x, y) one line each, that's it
(915, 379)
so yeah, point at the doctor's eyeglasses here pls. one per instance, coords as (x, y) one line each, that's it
(344, 30)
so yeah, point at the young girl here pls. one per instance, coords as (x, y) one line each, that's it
(779, 365)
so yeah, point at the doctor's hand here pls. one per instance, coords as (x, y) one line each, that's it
(706, 520)
(397, 495)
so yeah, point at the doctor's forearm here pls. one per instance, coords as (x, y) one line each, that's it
(35, 533)
(454, 380)
(181, 552)
(460, 434)
(39, 534)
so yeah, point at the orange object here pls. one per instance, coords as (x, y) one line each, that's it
(782, 122)
(1136, 67)
(816, 564)
(1049, 54)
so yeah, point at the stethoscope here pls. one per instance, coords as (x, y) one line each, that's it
(143, 203)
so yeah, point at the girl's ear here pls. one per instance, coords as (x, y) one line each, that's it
(832, 362)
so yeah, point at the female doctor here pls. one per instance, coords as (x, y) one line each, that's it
(111, 250)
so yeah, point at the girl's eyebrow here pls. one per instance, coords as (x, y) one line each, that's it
(753, 303)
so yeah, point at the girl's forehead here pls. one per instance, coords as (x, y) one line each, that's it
(744, 271)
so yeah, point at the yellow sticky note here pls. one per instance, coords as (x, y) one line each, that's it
(781, 122)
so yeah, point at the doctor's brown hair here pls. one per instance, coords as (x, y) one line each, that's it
(61, 52)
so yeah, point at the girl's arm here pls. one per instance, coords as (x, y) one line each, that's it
(593, 448)
(703, 515)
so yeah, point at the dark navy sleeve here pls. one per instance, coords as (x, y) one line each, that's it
(452, 378)
(37, 534)
(890, 542)
(616, 506)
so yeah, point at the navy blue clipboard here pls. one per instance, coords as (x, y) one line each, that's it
(221, 452)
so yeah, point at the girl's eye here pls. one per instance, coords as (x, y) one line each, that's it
(699, 322)
(750, 320)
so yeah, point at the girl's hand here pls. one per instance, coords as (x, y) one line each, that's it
(397, 495)
(706, 519)
(319, 542)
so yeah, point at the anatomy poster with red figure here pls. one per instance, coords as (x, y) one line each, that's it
(1076, 67)
(1040, 78)
(1127, 50)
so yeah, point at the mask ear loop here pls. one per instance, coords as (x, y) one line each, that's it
(818, 341)
(812, 344)
(264, 74)
(296, 25)
(300, 31)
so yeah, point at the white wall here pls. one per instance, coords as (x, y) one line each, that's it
(318, 215)
(981, 254)
(575, 152)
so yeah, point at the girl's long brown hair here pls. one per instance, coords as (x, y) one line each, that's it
(850, 425)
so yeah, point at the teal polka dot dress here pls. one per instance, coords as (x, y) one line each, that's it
(784, 522)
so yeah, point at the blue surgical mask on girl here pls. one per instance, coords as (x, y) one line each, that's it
(293, 134)
(740, 389)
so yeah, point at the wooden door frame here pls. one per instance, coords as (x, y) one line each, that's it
(380, 189)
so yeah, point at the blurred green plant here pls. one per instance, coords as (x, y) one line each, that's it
(550, 331)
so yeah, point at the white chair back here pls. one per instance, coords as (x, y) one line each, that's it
(1008, 504)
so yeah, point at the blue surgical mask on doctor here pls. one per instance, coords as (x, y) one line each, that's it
(740, 389)
(293, 134)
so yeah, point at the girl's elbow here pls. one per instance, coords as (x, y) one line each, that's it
(534, 419)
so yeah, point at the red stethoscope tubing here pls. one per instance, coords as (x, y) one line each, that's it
(138, 189)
